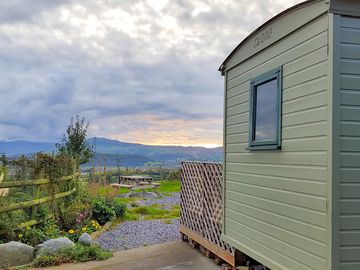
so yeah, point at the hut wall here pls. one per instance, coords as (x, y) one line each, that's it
(348, 45)
(276, 201)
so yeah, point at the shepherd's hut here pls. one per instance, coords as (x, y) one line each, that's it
(292, 139)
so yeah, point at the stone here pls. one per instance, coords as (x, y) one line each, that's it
(15, 254)
(85, 239)
(52, 246)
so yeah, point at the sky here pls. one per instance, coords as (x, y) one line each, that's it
(140, 71)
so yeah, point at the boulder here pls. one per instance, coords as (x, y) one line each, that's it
(14, 254)
(85, 239)
(52, 246)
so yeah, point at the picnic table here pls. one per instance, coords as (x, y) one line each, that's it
(136, 179)
(136, 182)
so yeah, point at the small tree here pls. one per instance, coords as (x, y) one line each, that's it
(74, 143)
(3, 160)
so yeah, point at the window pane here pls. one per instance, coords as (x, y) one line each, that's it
(266, 115)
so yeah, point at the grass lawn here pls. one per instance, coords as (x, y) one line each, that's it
(149, 213)
(129, 200)
(155, 211)
(169, 186)
(165, 186)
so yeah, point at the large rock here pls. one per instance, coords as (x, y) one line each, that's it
(52, 246)
(85, 239)
(15, 253)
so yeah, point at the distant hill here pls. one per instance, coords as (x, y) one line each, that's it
(16, 148)
(115, 160)
(123, 154)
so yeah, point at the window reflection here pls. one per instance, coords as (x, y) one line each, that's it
(265, 111)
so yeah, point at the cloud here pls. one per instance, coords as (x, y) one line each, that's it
(17, 11)
(139, 71)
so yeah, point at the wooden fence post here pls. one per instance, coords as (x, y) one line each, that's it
(5, 191)
(36, 196)
(37, 199)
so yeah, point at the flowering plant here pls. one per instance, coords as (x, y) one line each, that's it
(88, 227)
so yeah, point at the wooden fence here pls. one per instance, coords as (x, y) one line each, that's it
(201, 207)
(37, 200)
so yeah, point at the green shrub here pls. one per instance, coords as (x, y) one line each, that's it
(89, 227)
(75, 215)
(119, 208)
(32, 236)
(76, 253)
(50, 228)
(37, 234)
(9, 221)
(102, 210)
(50, 260)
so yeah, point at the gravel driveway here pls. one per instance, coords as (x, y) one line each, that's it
(174, 198)
(133, 234)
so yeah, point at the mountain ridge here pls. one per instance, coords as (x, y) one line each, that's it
(130, 154)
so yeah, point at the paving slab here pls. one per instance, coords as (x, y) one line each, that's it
(175, 255)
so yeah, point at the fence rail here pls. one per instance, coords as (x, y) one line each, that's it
(201, 205)
(37, 200)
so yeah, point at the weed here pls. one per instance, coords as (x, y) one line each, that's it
(168, 221)
(153, 212)
(128, 200)
(134, 204)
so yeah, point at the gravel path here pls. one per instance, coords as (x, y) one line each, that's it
(174, 198)
(132, 234)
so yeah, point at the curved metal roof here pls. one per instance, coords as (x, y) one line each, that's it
(282, 14)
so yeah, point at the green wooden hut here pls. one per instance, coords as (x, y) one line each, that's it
(292, 139)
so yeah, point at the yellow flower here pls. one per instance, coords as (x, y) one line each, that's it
(71, 231)
(84, 229)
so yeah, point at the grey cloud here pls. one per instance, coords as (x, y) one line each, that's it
(15, 11)
(132, 72)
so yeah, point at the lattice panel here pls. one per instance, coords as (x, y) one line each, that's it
(201, 200)
(191, 196)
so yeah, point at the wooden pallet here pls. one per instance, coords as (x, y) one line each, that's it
(208, 248)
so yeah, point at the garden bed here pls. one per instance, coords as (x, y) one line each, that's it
(115, 219)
